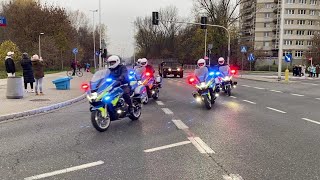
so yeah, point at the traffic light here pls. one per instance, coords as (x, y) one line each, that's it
(203, 21)
(155, 18)
(104, 54)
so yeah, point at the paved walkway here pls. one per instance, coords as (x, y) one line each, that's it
(52, 96)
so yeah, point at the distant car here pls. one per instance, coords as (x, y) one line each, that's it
(171, 68)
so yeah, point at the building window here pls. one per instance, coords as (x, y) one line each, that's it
(299, 43)
(267, 15)
(288, 32)
(288, 21)
(301, 11)
(302, 1)
(301, 22)
(313, 2)
(300, 33)
(310, 33)
(266, 44)
(312, 12)
(266, 34)
(299, 53)
(290, 1)
(266, 25)
(268, 5)
(288, 42)
(309, 43)
(290, 11)
(286, 52)
(311, 23)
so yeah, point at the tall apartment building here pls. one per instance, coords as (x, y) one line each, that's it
(260, 26)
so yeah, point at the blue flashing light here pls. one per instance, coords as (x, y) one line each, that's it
(109, 80)
(211, 73)
(131, 77)
(218, 73)
(107, 98)
(131, 72)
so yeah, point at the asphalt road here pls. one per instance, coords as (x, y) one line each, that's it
(264, 131)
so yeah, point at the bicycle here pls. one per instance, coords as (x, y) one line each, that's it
(78, 73)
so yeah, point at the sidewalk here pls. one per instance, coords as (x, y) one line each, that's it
(268, 78)
(51, 97)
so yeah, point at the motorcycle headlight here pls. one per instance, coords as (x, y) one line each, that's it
(139, 82)
(94, 95)
(227, 78)
(203, 85)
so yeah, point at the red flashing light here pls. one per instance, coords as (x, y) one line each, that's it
(148, 74)
(233, 71)
(85, 87)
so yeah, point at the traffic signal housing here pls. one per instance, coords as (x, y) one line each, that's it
(155, 18)
(203, 22)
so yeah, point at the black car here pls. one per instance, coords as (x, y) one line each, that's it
(171, 68)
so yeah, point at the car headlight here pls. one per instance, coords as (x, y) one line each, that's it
(169, 69)
(178, 69)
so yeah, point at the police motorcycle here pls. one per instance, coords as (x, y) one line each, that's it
(140, 91)
(204, 90)
(152, 85)
(225, 83)
(107, 104)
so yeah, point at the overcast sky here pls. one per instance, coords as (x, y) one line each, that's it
(118, 15)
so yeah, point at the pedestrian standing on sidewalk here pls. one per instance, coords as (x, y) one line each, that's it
(317, 70)
(313, 71)
(10, 66)
(27, 72)
(37, 64)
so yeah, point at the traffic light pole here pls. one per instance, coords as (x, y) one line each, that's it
(211, 25)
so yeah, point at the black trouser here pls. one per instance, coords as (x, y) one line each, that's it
(317, 75)
(31, 85)
(74, 72)
(126, 95)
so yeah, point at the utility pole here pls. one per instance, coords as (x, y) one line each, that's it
(280, 53)
(100, 43)
(94, 40)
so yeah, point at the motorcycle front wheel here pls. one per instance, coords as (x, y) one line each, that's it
(136, 112)
(100, 123)
(228, 90)
(207, 102)
(156, 94)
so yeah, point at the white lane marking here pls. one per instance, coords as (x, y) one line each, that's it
(62, 171)
(160, 103)
(317, 98)
(300, 95)
(249, 102)
(201, 146)
(311, 84)
(276, 91)
(277, 110)
(167, 146)
(306, 119)
(180, 124)
(245, 86)
(233, 97)
(167, 111)
(232, 177)
(259, 88)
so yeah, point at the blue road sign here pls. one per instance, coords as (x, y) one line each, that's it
(288, 58)
(97, 53)
(75, 50)
(251, 57)
(243, 49)
(3, 21)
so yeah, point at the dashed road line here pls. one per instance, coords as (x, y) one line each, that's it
(300, 95)
(202, 147)
(311, 84)
(249, 102)
(232, 177)
(167, 146)
(62, 171)
(245, 86)
(317, 98)
(160, 103)
(259, 88)
(167, 111)
(306, 119)
(276, 91)
(180, 124)
(277, 110)
(233, 97)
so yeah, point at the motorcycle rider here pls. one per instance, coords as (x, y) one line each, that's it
(202, 72)
(119, 72)
(224, 68)
(139, 69)
(149, 68)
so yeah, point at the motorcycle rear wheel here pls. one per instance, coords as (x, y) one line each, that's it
(99, 123)
(136, 113)
(207, 102)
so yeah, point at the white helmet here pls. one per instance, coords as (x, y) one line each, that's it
(201, 63)
(10, 53)
(144, 62)
(113, 61)
(221, 60)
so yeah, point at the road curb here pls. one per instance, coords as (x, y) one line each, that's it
(41, 110)
(260, 80)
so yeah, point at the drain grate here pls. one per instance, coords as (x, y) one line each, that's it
(40, 100)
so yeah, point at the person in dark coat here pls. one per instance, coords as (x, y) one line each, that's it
(37, 64)
(10, 66)
(27, 72)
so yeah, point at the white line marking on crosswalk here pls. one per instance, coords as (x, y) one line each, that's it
(306, 119)
(167, 146)
(180, 124)
(249, 102)
(160, 103)
(167, 111)
(277, 110)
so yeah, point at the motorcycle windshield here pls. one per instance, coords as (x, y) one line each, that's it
(99, 79)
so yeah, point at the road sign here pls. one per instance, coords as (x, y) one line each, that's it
(288, 57)
(3, 21)
(210, 46)
(251, 57)
(97, 53)
(75, 50)
(243, 49)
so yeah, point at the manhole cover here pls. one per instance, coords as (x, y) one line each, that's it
(40, 100)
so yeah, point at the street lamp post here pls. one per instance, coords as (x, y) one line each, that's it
(100, 44)
(40, 44)
(94, 40)
(280, 53)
